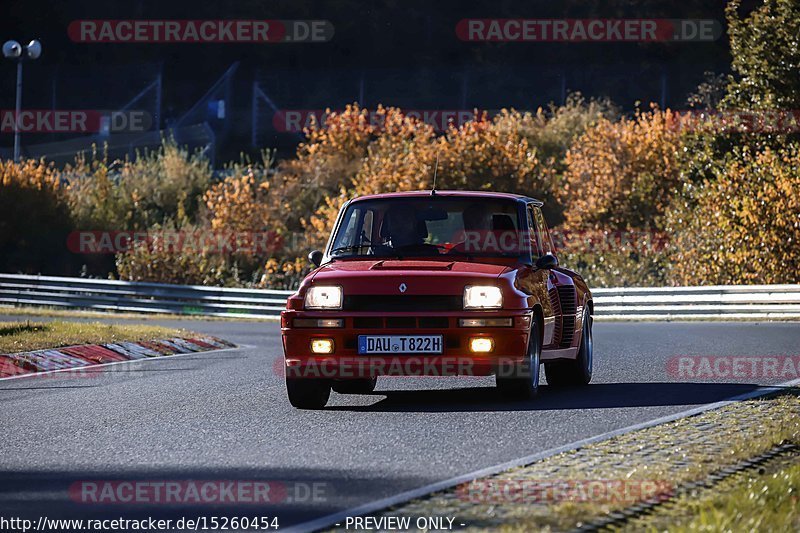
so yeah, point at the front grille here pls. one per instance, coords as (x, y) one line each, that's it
(367, 322)
(566, 297)
(402, 322)
(434, 322)
(390, 303)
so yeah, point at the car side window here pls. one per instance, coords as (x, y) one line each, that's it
(348, 228)
(356, 230)
(536, 245)
(366, 238)
(542, 232)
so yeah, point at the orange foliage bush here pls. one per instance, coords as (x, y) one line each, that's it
(35, 219)
(30, 174)
(482, 154)
(490, 154)
(284, 275)
(400, 157)
(742, 225)
(158, 186)
(156, 261)
(622, 175)
(243, 202)
(328, 160)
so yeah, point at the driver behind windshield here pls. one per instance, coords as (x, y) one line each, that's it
(477, 222)
(405, 233)
(477, 218)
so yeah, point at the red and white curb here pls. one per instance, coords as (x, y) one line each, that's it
(86, 355)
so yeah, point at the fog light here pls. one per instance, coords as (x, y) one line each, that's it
(481, 345)
(322, 345)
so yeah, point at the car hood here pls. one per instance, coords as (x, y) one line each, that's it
(384, 276)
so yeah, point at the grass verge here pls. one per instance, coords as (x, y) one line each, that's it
(766, 499)
(670, 454)
(26, 335)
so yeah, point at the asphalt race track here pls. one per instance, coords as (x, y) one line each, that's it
(224, 416)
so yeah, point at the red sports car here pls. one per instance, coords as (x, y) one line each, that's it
(436, 283)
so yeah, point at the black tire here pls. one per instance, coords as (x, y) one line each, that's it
(305, 393)
(522, 381)
(578, 372)
(355, 386)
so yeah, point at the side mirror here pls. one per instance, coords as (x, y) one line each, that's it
(547, 261)
(315, 257)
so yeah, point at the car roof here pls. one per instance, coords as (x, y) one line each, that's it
(466, 194)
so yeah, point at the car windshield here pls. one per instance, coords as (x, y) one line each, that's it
(430, 226)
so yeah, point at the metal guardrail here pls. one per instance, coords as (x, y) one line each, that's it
(729, 301)
(745, 301)
(128, 296)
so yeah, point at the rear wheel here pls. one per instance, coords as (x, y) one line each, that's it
(355, 386)
(306, 393)
(579, 371)
(521, 382)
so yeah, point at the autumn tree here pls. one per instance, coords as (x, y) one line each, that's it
(766, 56)
(156, 187)
(742, 225)
(35, 220)
(622, 175)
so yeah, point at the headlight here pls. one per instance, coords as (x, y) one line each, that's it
(323, 298)
(482, 297)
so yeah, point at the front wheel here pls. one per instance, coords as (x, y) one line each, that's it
(521, 382)
(579, 371)
(307, 393)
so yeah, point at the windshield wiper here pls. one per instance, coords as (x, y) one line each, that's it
(350, 248)
(398, 250)
(437, 246)
(384, 249)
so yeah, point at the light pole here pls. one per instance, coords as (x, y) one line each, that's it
(14, 50)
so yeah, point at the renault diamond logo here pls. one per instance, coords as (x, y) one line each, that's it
(403, 287)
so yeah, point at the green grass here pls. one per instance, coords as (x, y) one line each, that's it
(780, 424)
(741, 430)
(747, 502)
(26, 336)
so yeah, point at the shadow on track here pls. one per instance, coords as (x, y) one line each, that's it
(295, 494)
(598, 396)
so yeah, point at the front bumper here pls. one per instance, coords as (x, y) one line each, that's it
(510, 344)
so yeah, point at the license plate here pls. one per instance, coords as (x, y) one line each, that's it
(368, 344)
